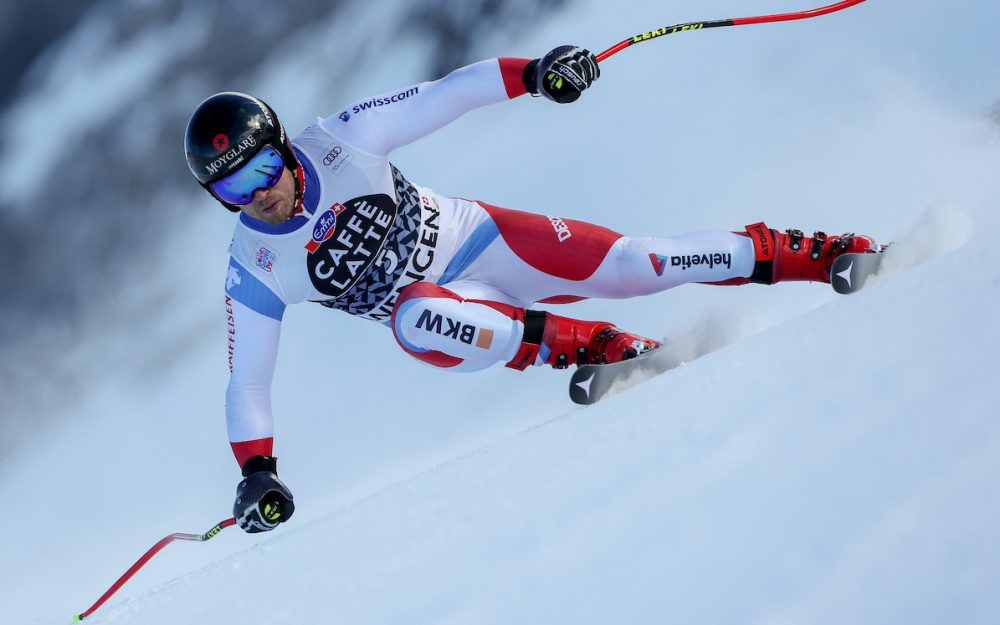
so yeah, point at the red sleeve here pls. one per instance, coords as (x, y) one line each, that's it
(244, 450)
(512, 70)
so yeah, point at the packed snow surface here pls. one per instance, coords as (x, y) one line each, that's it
(819, 459)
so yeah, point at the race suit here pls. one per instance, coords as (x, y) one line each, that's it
(445, 274)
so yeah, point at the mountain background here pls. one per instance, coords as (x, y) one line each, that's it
(101, 91)
(832, 459)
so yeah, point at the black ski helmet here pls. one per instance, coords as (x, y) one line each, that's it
(226, 131)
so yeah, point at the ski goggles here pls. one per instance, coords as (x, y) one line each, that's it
(261, 172)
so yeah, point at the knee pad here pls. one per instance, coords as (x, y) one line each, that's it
(442, 329)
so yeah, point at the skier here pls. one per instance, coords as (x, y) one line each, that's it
(327, 218)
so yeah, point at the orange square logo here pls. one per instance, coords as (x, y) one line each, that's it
(485, 338)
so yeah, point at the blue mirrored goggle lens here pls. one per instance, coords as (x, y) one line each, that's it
(262, 172)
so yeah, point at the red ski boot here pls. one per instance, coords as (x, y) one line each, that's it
(563, 341)
(789, 256)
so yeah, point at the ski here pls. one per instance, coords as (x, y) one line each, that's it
(592, 383)
(850, 271)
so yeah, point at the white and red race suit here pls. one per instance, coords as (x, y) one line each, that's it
(449, 276)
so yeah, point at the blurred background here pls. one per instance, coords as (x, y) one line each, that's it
(107, 239)
(112, 325)
(96, 96)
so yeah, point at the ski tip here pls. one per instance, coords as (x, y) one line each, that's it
(77, 618)
(593, 383)
(580, 387)
(851, 271)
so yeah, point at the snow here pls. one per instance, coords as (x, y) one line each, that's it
(91, 80)
(833, 460)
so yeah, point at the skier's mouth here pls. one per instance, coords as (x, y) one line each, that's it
(272, 207)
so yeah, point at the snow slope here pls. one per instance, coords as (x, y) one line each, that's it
(776, 485)
(836, 461)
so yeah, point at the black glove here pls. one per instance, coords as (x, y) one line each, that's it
(262, 500)
(562, 75)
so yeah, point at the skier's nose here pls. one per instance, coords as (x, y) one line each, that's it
(260, 195)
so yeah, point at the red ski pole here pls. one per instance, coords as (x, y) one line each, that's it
(738, 21)
(145, 558)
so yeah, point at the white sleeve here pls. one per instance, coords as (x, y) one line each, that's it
(383, 123)
(253, 353)
(253, 314)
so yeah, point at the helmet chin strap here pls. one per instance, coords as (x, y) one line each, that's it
(300, 190)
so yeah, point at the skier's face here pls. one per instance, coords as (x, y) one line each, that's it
(274, 205)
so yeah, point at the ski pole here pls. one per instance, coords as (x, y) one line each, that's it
(738, 21)
(145, 558)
